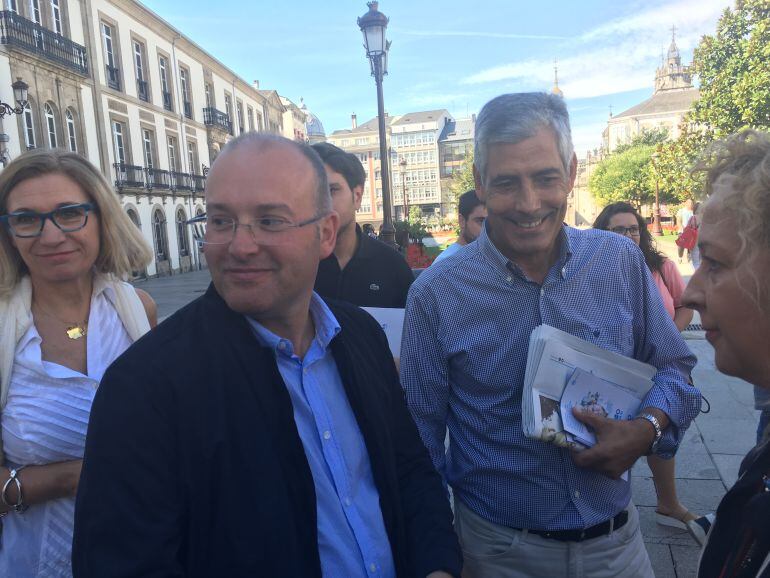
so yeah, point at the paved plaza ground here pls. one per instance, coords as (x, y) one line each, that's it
(707, 463)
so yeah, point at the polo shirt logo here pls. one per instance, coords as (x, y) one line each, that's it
(374, 287)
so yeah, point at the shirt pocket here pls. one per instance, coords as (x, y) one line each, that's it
(616, 337)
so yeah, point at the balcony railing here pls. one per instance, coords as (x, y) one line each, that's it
(128, 176)
(113, 77)
(134, 177)
(141, 90)
(181, 182)
(17, 31)
(188, 109)
(158, 179)
(199, 183)
(167, 104)
(217, 118)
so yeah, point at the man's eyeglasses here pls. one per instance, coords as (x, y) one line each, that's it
(220, 230)
(68, 219)
(626, 231)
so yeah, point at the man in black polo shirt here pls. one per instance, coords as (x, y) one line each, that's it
(362, 270)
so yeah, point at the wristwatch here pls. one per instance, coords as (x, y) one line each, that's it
(658, 430)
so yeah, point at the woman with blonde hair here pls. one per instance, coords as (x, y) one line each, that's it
(731, 291)
(65, 315)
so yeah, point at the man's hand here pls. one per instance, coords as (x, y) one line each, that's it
(619, 443)
(438, 574)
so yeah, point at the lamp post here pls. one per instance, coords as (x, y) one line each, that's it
(402, 164)
(20, 93)
(657, 230)
(373, 25)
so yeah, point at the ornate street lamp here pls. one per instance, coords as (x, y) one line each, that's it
(657, 230)
(403, 185)
(20, 93)
(373, 25)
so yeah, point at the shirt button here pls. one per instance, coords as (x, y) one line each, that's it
(327, 434)
(347, 501)
(564, 272)
(509, 278)
(373, 567)
(577, 494)
(281, 346)
(542, 291)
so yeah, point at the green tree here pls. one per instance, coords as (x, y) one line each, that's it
(734, 71)
(462, 180)
(624, 176)
(653, 137)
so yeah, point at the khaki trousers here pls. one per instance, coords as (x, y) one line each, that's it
(493, 551)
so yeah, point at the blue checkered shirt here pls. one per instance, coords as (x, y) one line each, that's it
(464, 352)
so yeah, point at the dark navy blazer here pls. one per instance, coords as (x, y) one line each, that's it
(194, 467)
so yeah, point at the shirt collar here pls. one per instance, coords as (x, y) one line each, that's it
(363, 244)
(493, 254)
(326, 328)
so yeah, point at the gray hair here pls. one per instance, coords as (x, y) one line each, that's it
(512, 118)
(323, 198)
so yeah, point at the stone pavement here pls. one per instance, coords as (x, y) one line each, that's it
(707, 462)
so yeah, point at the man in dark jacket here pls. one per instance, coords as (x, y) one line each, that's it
(360, 270)
(260, 431)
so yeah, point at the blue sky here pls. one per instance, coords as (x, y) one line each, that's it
(453, 54)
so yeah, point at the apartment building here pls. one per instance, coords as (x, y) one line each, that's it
(113, 81)
(425, 149)
(294, 120)
(364, 141)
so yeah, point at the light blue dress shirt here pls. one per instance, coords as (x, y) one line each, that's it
(463, 357)
(451, 250)
(352, 541)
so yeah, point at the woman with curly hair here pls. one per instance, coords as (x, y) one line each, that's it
(731, 291)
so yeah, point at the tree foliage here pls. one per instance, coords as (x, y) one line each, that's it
(624, 176)
(653, 137)
(462, 180)
(734, 71)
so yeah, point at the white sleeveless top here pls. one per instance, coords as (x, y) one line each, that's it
(45, 421)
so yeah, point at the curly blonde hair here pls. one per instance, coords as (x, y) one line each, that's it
(740, 167)
(122, 247)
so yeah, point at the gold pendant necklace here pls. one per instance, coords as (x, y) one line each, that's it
(74, 330)
(77, 331)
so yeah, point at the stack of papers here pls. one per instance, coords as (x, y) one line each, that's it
(564, 371)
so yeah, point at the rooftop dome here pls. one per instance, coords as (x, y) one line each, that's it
(313, 126)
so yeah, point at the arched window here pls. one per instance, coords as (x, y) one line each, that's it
(134, 218)
(29, 127)
(181, 232)
(159, 235)
(50, 122)
(72, 140)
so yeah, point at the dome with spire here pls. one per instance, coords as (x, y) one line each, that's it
(313, 128)
(556, 90)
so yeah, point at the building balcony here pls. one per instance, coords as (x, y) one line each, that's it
(167, 103)
(188, 109)
(141, 179)
(158, 179)
(128, 176)
(181, 182)
(19, 32)
(141, 90)
(218, 119)
(113, 77)
(199, 183)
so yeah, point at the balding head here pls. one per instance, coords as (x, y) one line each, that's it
(261, 141)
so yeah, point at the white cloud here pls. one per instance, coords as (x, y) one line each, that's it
(471, 34)
(617, 56)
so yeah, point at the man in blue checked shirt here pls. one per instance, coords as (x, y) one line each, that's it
(524, 507)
